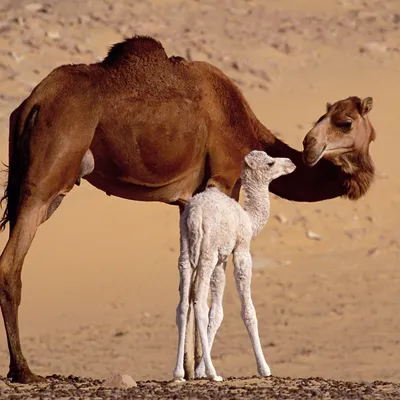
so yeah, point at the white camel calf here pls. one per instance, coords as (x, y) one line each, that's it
(212, 227)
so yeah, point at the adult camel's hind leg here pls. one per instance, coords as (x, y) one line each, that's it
(11, 262)
(32, 197)
(32, 212)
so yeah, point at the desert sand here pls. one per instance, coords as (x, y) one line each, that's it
(100, 283)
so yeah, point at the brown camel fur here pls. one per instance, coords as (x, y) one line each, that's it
(142, 126)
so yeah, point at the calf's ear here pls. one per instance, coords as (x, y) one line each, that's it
(249, 161)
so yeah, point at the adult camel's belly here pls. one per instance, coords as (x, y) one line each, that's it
(150, 157)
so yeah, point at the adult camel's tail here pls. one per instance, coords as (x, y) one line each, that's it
(19, 158)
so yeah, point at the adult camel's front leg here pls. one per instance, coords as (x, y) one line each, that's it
(189, 350)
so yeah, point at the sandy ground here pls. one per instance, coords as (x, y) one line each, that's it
(101, 282)
(232, 388)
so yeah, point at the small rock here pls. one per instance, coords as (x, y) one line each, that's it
(313, 236)
(16, 57)
(373, 47)
(53, 35)
(83, 19)
(120, 381)
(281, 218)
(260, 73)
(368, 16)
(235, 65)
(35, 7)
(282, 47)
(120, 332)
(396, 18)
(373, 251)
(4, 26)
(80, 49)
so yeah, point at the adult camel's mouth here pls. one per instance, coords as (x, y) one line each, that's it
(310, 157)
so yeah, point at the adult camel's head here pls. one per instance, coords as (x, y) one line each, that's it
(343, 135)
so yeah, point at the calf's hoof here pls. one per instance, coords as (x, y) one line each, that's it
(200, 373)
(179, 380)
(179, 375)
(265, 372)
(215, 378)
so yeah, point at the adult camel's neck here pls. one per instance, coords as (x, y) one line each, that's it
(256, 204)
(306, 184)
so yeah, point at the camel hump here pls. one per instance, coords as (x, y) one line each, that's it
(137, 47)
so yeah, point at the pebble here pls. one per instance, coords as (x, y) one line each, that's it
(313, 236)
(53, 35)
(35, 7)
(372, 252)
(373, 47)
(120, 381)
(281, 218)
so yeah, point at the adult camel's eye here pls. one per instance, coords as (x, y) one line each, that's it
(344, 125)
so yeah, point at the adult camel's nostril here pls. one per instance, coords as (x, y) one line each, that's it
(309, 141)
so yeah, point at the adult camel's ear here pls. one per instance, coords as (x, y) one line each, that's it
(366, 106)
(328, 106)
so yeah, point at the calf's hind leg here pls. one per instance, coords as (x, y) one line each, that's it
(243, 271)
(216, 313)
(182, 310)
(205, 270)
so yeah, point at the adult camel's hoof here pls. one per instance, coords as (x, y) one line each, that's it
(25, 376)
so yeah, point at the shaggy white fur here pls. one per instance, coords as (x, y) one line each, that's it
(214, 226)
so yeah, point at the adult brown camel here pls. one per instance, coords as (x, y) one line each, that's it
(142, 126)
